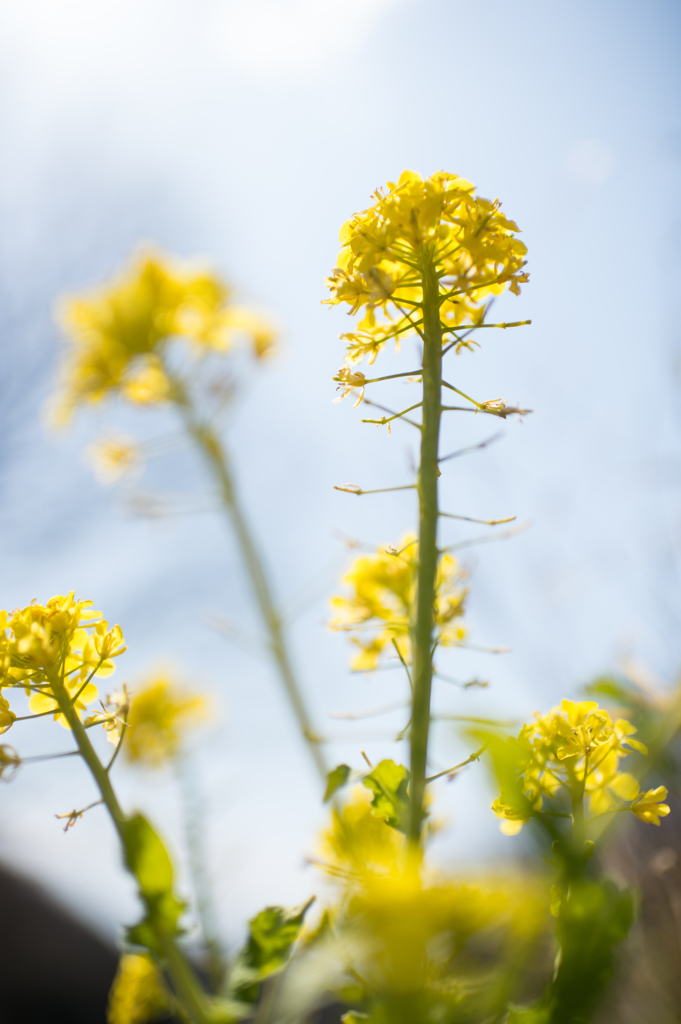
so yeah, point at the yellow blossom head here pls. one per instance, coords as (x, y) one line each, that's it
(575, 747)
(117, 335)
(418, 226)
(160, 715)
(382, 591)
(64, 643)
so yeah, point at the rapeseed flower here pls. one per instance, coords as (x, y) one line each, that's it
(576, 746)
(158, 719)
(64, 641)
(138, 994)
(118, 335)
(415, 224)
(383, 591)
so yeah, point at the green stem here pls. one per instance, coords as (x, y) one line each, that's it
(216, 456)
(422, 629)
(186, 982)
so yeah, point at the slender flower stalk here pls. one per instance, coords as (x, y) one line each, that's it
(425, 257)
(155, 336)
(428, 548)
(188, 988)
(215, 454)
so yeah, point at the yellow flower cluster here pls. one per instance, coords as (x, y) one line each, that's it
(138, 994)
(399, 926)
(383, 591)
(158, 717)
(579, 745)
(438, 222)
(64, 640)
(118, 334)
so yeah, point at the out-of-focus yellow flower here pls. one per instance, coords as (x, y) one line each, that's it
(439, 222)
(7, 717)
(113, 457)
(158, 719)
(137, 994)
(383, 590)
(146, 383)
(117, 335)
(649, 807)
(113, 714)
(63, 640)
(574, 744)
(9, 761)
(398, 927)
(350, 382)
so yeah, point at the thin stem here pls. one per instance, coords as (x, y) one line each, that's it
(185, 980)
(49, 757)
(193, 814)
(482, 522)
(472, 447)
(393, 376)
(469, 760)
(216, 457)
(351, 489)
(422, 628)
(396, 416)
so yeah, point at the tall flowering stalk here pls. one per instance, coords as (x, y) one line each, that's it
(425, 258)
(159, 335)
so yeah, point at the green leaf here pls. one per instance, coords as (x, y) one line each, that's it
(335, 780)
(272, 934)
(389, 782)
(148, 858)
(149, 862)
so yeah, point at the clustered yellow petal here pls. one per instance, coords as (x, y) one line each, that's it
(64, 641)
(383, 590)
(159, 716)
(118, 335)
(472, 244)
(399, 927)
(578, 743)
(138, 994)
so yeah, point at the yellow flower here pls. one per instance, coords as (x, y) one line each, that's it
(117, 335)
(159, 715)
(576, 742)
(7, 717)
(113, 716)
(349, 382)
(415, 222)
(64, 641)
(113, 458)
(383, 590)
(649, 807)
(137, 994)
(145, 382)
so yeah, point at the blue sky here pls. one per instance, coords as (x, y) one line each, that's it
(247, 133)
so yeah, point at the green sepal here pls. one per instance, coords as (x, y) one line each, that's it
(389, 782)
(272, 934)
(335, 780)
